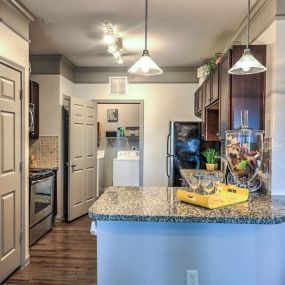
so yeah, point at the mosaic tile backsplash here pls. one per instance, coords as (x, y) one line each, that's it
(266, 167)
(46, 151)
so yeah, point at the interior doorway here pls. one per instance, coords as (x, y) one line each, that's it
(120, 129)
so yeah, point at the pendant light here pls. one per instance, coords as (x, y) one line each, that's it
(247, 64)
(145, 65)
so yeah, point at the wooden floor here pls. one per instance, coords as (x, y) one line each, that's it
(66, 255)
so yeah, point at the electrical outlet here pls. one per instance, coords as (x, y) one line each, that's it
(192, 277)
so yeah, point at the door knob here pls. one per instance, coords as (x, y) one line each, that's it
(73, 165)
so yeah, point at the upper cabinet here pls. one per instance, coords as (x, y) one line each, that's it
(34, 110)
(226, 95)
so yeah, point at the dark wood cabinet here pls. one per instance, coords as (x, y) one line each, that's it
(198, 102)
(241, 92)
(208, 90)
(225, 95)
(34, 109)
(215, 85)
(248, 91)
(224, 90)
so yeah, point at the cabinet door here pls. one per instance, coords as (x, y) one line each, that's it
(208, 91)
(34, 99)
(198, 102)
(196, 107)
(225, 106)
(215, 85)
(248, 91)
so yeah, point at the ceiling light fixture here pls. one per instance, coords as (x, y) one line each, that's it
(145, 65)
(247, 64)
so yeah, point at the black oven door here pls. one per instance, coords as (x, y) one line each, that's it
(41, 199)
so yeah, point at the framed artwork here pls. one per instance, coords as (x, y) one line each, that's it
(112, 115)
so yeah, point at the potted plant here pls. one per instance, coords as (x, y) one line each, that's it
(211, 157)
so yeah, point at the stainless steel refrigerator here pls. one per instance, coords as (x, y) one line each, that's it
(183, 149)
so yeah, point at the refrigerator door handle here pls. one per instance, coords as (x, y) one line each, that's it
(167, 165)
(168, 139)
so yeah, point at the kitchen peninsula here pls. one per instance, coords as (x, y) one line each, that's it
(145, 236)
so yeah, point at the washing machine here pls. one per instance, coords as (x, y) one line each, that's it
(126, 168)
(100, 172)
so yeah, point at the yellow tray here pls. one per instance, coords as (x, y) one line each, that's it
(227, 195)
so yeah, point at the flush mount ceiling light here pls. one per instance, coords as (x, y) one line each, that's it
(145, 65)
(247, 64)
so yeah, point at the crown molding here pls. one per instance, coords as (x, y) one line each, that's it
(263, 14)
(20, 9)
(58, 64)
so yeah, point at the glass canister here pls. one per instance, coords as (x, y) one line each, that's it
(244, 151)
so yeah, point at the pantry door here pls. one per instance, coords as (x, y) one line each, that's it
(82, 157)
(10, 171)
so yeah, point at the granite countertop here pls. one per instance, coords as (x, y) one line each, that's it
(159, 204)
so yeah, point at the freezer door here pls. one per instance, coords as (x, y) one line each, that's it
(170, 169)
(184, 148)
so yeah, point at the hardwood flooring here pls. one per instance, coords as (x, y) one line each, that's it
(66, 255)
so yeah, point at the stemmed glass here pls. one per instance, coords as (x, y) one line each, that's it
(207, 183)
(217, 177)
(194, 182)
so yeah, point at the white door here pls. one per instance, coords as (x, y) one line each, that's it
(82, 157)
(10, 176)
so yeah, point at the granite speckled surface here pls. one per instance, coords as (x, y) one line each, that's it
(159, 204)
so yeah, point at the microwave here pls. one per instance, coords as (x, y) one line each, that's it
(32, 118)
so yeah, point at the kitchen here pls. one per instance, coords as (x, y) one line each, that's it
(70, 69)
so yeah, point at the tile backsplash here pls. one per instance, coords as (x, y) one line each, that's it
(266, 167)
(46, 151)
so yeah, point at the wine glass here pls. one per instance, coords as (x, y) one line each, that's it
(207, 183)
(218, 178)
(194, 181)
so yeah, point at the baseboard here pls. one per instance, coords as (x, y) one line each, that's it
(58, 219)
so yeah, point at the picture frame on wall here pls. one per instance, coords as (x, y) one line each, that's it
(112, 115)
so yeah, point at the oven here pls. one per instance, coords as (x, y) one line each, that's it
(41, 202)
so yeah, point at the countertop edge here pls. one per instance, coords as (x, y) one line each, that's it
(190, 220)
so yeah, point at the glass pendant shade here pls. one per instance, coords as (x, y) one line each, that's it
(145, 66)
(247, 64)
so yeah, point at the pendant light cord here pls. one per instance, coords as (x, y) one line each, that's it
(248, 23)
(145, 35)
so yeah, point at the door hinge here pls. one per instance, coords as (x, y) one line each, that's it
(21, 236)
(21, 166)
(21, 94)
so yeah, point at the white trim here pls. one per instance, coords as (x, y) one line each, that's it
(19, 8)
(263, 10)
(141, 140)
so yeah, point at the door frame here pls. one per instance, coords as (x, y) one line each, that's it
(24, 169)
(141, 125)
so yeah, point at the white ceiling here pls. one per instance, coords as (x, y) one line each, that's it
(181, 32)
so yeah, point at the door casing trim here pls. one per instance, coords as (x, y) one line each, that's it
(141, 140)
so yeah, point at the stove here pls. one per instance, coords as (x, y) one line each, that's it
(41, 202)
(39, 173)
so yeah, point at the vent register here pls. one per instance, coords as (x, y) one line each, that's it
(118, 85)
